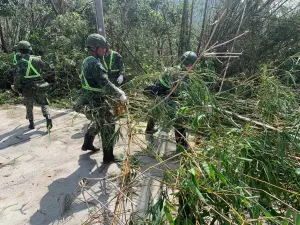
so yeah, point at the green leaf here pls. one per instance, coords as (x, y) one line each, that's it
(192, 171)
(297, 218)
(212, 173)
(288, 215)
(220, 175)
(297, 171)
(201, 197)
(245, 159)
(163, 82)
(247, 127)
(168, 215)
(269, 216)
(255, 212)
(209, 170)
(194, 178)
(206, 168)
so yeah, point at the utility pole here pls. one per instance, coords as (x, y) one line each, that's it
(99, 17)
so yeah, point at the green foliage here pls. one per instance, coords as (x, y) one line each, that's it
(6, 61)
(274, 98)
(237, 173)
(8, 97)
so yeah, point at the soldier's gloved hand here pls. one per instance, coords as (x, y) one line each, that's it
(120, 79)
(123, 97)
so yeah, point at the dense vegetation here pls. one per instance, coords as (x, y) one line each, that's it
(244, 166)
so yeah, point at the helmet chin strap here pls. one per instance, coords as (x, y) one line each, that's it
(94, 51)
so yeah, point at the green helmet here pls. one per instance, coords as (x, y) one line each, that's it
(15, 48)
(94, 40)
(188, 58)
(24, 45)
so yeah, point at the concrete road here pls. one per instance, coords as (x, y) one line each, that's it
(40, 172)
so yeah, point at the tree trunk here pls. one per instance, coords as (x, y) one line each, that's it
(191, 24)
(53, 7)
(3, 43)
(169, 41)
(202, 29)
(183, 39)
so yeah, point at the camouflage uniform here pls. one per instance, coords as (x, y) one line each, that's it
(96, 102)
(162, 88)
(114, 65)
(28, 86)
(96, 99)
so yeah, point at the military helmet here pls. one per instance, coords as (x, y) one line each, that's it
(94, 40)
(24, 45)
(15, 48)
(188, 57)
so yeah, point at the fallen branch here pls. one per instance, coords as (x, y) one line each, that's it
(264, 125)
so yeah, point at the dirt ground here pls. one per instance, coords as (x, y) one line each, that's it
(40, 172)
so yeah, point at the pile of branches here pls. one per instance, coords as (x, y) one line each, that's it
(243, 166)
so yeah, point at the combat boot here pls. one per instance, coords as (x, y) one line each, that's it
(108, 157)
(88, 143)
(31, 124)
(49, 122)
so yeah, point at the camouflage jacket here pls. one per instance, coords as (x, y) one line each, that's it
(114, 65)
(168, 80)
(96, 77)
(19, 79)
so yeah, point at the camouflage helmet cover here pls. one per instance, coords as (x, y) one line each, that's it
(188, 57)
(24, 45)
(94, 40)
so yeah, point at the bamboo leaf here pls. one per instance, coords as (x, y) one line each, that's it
(198, 193)
(163, 82)
(298, 171)
(269, 215)
(220, 175)
(297, 218)
(288, 215)
(206, 168)
(245, 159)
(168, 215)
(212, 173)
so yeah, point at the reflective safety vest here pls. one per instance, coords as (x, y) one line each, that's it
(29, 68)
(84, 82)
(15, 59)
(110, 63)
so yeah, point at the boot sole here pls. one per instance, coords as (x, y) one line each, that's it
(90, 150)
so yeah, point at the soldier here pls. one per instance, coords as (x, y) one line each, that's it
(29, 82)
(97, 97)
(162, 88)
(114, 65)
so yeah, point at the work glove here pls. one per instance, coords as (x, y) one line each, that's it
(120, 79)
(123, 97)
